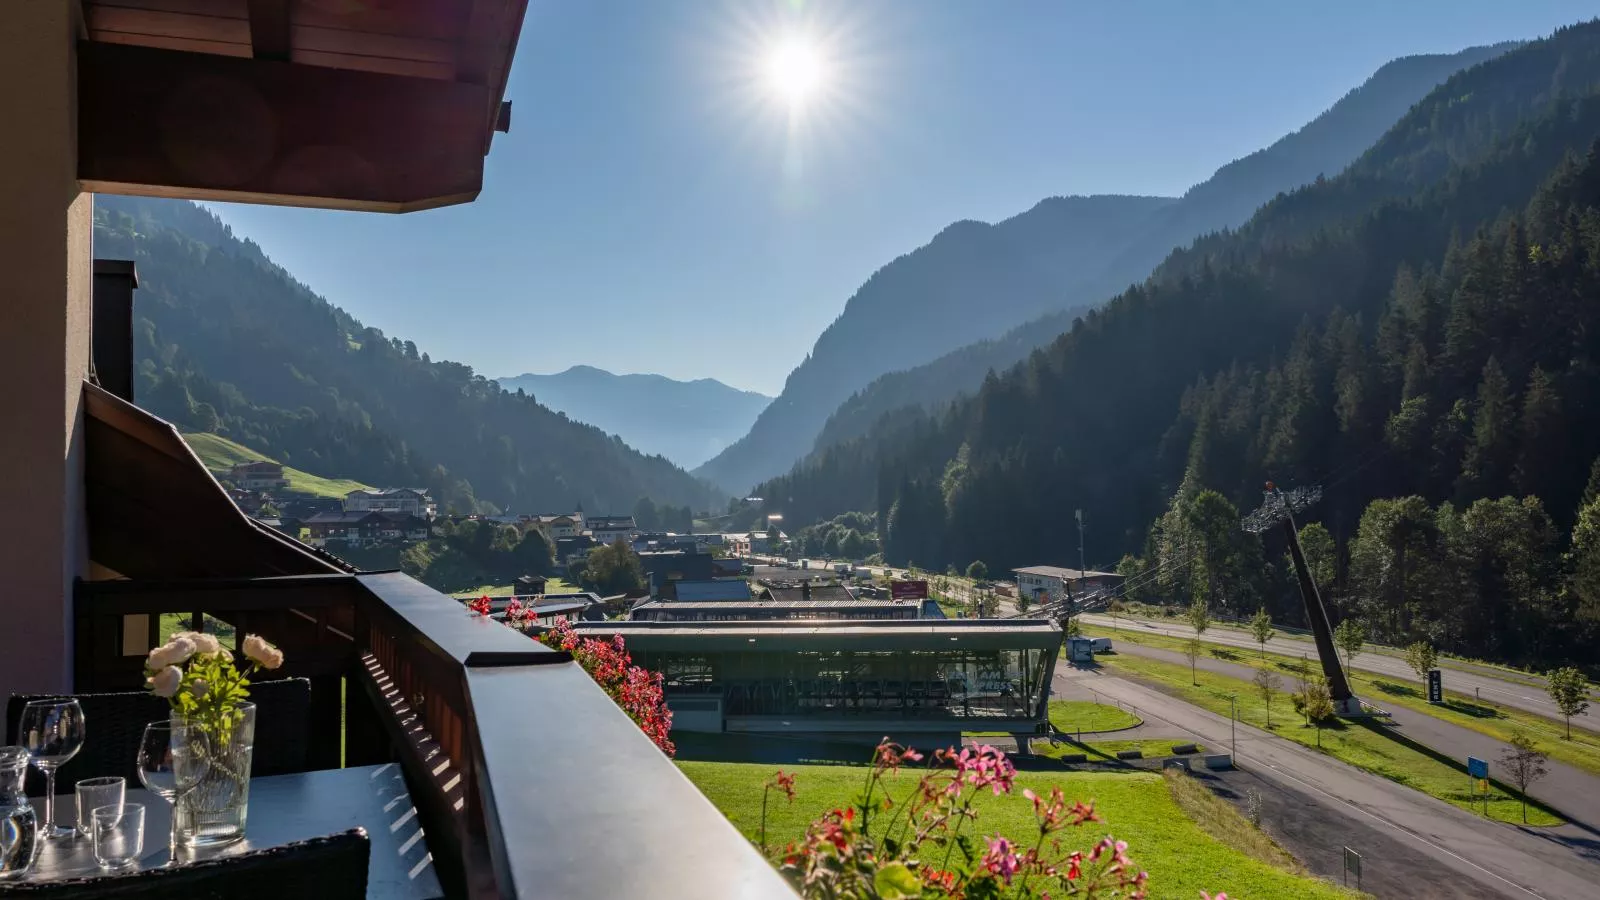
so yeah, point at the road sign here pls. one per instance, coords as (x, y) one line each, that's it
(908, 590)
(1435, 686)
(1477, 768)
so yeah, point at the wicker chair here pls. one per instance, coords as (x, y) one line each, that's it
(115, 722)
(328, 868)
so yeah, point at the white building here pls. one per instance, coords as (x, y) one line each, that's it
(1045, 583)
(414, 501)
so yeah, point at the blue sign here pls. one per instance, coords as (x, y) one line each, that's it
(1477, 768)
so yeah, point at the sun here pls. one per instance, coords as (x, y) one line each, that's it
(795, 70)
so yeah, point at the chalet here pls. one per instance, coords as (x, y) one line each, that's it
(359, 528)
(555, 526)
(1046, 583)
(606, 529)
(305, 507)
(258, 476)
(414, 501)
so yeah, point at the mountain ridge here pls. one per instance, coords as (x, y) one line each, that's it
(685, 421)
(228, 342)
(1376, 104)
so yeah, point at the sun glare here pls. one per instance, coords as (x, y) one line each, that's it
(794, 70)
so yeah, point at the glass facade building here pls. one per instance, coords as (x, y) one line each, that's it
(835, 675)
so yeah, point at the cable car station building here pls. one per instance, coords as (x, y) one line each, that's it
(896, 677)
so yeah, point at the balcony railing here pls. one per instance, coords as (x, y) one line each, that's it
(528, 780)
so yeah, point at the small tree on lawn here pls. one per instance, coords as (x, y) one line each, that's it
(1267, 683)
(1524, 764)
(1114, 607)
(1315, 703)
(1023, 601)
(1350, 636)
(1199, 616)
(1261, 629)
(1192, 650)
(1570, 691)
(977, 571)
(1421, 657)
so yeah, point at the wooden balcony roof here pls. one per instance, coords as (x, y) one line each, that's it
(385, 105)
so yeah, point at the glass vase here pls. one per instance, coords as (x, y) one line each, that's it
(214, 811)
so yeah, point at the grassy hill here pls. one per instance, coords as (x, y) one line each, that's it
(220, 454)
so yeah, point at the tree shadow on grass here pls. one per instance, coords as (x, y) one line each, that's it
(1389, 732)
(1224, 653)
(1476, 710)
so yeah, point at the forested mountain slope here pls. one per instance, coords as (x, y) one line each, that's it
(688, 422)
(1421, 325)
(1325, 146)
(973, 280)
(228, 342)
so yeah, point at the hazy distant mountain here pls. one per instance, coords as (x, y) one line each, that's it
(1119, 256)
(688, 422)
(972, 281)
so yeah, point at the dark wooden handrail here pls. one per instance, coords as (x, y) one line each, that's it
(528, 780)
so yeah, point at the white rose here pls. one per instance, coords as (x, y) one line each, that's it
(172, 653)
(198, 688)
(164, 683)
(204, 644)
(257, 649)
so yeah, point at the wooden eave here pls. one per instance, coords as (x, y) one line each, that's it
(381, 105)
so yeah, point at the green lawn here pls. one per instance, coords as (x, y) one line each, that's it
(1070, 716)
(1363, 744)
(1491, 719)
(553, 586)
(220, 454)
(1137, 807)
(1152, 748)
(1463, 664)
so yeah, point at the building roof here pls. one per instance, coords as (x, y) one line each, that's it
(344, 518)
(1059, 572)
(776, 604)
(782, 635)
(608, 523)
(724, 591)
(388, 492)
(786, 594)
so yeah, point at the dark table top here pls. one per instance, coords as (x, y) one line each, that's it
(283, 809)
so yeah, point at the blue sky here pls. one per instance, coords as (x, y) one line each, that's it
(659, 206)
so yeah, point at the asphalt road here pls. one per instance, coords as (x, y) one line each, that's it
(1572, 791)
(1505, 692)
(1511, 861)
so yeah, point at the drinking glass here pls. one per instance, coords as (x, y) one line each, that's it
(118, 833)
(172, 760)
(94, 793)
(52, 732)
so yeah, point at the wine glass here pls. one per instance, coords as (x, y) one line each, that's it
(172, 760)
(52, 733)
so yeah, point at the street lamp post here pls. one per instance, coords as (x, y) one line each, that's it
(1233, 716)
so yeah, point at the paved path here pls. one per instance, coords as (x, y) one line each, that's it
(1515, 862)
(1497, 690)
(1571, 790)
